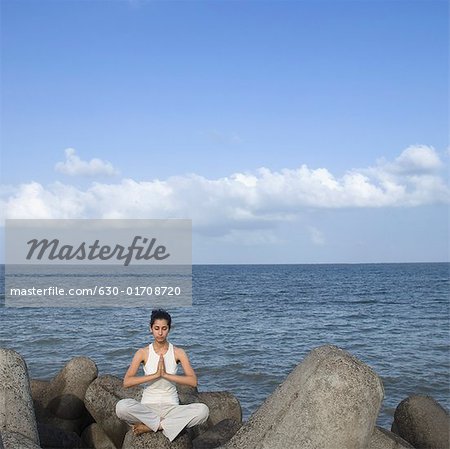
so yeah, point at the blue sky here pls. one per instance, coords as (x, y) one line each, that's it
(209, 110)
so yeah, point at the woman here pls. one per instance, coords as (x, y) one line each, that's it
(160, 407)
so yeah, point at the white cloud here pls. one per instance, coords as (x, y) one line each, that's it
(316, 235)
(74, 166)
(242, 201)
(416, 159)
(413, 178)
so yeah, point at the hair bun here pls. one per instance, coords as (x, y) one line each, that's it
(160, 314)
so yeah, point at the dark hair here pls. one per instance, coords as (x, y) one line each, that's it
(160, 314)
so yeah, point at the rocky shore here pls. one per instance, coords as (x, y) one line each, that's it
(331, 400)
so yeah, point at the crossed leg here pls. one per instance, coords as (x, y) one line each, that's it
(138, 415)
(171, 419)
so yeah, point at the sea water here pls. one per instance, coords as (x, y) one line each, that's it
(250, 325)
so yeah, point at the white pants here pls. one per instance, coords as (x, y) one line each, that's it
(172, 418)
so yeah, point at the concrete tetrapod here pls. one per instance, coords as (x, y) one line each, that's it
(101, 398)
(17, 419)
(330, 400)
(152, 440)
(221, 433)
(383, 439)
(423, 422)
(64, 394)
(222, 405)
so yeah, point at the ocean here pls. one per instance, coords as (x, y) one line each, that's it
(250, 325)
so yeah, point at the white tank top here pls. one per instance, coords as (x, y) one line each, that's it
(160, 391)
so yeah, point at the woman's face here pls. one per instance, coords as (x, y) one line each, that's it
(160, 330)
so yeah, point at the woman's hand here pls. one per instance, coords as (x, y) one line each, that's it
(161, 366)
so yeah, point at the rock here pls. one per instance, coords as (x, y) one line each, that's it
(39, 391)
(394, 428)
(331, 400)
(57, 438)
(222, 405)
(187, 394)
(60, 401)
(45, 417)
(16, 404)
(14, 440)
(114, 385)
(101, 398)
(64, 395)
(383, 439)
(423, 422)
(152, 440)
(220, 434)
(94, 437)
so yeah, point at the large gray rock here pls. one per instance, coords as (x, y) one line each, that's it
(14, 440)
(383, 439)
(94, 437)
(222, 405)
(114, 385)
(16, 404)
(220, 434)
(423, 422)
(57, 438)
(39, 391)
(64, 394)
(152, 440)
(59, 403)
(101, 398)
(187, 394)
(331, 400)
(45, 417)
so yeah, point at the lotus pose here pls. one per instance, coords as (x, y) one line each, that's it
(160, 408)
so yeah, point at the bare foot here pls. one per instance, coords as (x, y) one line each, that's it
(140, 428)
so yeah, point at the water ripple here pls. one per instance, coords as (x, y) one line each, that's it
(251, 325)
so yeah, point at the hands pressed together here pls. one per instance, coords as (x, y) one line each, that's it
(161, 370)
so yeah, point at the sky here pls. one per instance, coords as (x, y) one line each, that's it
(288, 131)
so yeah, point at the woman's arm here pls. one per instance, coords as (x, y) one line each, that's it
(130, 379)
(189, 377)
